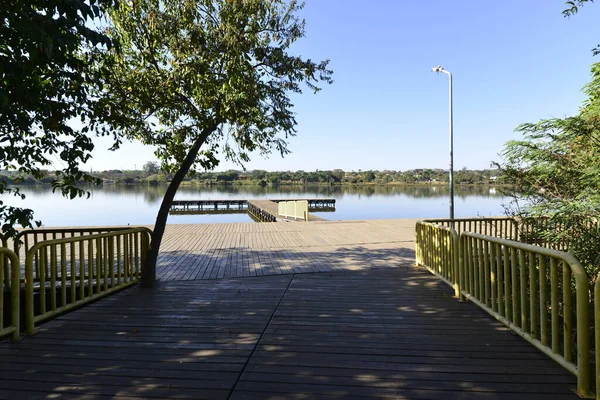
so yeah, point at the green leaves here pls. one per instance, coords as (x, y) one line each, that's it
(182, 67)
(554, 173)
(45, 86)
(573, 8)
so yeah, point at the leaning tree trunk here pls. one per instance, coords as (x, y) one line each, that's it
(149, 275)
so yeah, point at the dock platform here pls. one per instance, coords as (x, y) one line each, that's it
(263, 210)
(239, 206)
(323, 310)
(211, 251)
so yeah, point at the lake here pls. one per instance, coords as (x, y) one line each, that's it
(135, 205)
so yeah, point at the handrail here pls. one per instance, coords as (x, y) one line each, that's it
(597, 332)
(4, 266)
(15, 292)
(511, 281)
(26, 238)
(437, 250)
(77, 270)
(296, 209)
(504, 227)
(531, 229)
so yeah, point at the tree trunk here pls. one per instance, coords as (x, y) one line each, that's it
(149, 275)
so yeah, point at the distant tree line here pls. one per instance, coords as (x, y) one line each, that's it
(151, 174)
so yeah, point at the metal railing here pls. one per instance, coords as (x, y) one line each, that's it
(10, 282)
(77, 270)
(502, 227)
(297, 209)
(27, 238)
(557, 235)
(597, 332)
(437, 250)
(522, 286)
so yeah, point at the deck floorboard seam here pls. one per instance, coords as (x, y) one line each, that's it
(260, 337)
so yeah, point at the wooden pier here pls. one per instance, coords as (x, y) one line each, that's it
(207, 206)
(325, 310)
(263, 210)
(260, 210)
(216, 206)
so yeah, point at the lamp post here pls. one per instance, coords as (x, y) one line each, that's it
(439, 69)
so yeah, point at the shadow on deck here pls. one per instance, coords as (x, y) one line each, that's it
(235, 262)
(393, 333)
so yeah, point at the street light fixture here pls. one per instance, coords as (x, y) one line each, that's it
(439, 69)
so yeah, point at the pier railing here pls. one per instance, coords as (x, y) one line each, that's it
(502, 227)
(541, 294)
(10, 283)
(530, 289)
(539, 231)
(436, 249)
(296, 209)
(27, 238)
(77, 270)
(597, 332)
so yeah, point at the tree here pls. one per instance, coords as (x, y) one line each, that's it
(554, 173)
(201, 80)
(44, 87)
(338, 175)
(151, 167)
(573, 8)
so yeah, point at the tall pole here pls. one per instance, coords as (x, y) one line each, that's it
(451, 172)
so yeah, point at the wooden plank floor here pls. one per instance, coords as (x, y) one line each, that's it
(380, 333)
(208, 251)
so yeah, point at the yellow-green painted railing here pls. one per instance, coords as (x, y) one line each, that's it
(502, 227)
(10, 262)
(77, 270)
(531, 231)
(437, 250)
(597, 330)
(27, 238)
(530, 289)
(4, 265)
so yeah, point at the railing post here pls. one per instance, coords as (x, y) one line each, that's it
(582, 292)
(29, 314)
(597, 332)
(14, 283)
(457, 262)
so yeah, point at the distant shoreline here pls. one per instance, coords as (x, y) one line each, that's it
(242, 183)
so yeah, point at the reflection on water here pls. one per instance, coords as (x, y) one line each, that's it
(111, 204)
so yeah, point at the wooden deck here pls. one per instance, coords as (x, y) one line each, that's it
(388, 333)
(264, 210)
(332, 310)
(208, 251)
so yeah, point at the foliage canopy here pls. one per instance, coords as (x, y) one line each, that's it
(201, 80)
(555, 173)
(44, 88)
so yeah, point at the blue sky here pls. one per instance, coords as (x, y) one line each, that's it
(513, 61)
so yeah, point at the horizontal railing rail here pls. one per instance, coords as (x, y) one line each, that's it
(77, 270)
(11, 284)
(522, 286)
(502, 227)
(437, 250)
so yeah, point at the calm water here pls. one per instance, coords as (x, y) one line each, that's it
(119, 205)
